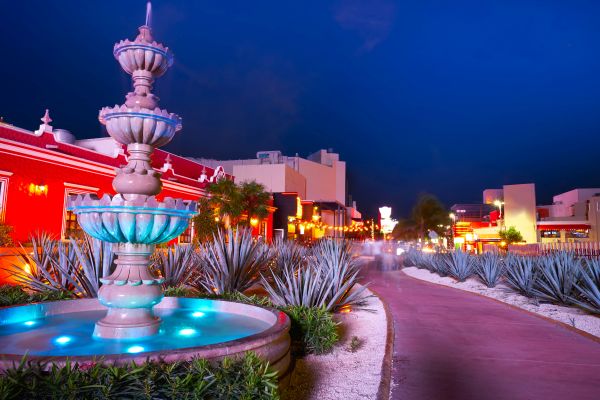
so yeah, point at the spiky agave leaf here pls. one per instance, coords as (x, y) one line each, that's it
(489, 268)
(559, 273)
(41, 274)
(328, 279)
(176, 264)
(588, 296)
(459, 265)
(233, 261)
(521, 274)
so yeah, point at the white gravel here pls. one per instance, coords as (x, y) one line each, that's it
(343, 374)
(569, 315)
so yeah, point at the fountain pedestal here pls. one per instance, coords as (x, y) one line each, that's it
(130, 292)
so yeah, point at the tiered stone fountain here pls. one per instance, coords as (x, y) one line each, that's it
(135, 221)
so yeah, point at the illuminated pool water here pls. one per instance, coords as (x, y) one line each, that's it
(44, 330)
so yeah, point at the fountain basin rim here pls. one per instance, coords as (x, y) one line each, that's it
(124, 46)
(174, 121)
(120, 209)
(272, 343)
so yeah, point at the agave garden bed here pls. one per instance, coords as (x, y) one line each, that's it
(568, 315)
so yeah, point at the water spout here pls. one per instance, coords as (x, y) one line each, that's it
(148, 13)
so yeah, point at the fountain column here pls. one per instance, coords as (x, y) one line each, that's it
(134, 219)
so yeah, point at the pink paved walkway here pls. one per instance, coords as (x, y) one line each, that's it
(450, 344)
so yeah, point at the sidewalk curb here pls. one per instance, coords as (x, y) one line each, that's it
(385, 386)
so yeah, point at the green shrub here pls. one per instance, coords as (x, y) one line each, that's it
(313, 329)
(180, 291)
(243, 378)
(11, 295)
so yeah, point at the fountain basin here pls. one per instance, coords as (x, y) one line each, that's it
(127, 125)
(192, 328)
(140, 221)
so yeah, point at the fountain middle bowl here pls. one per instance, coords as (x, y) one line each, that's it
(141, 221)
(192, 328)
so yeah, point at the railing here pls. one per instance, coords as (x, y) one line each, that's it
(585, 249)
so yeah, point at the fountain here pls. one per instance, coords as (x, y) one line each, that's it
(135, 221)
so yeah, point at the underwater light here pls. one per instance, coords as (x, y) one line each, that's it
(29, 323)
(187, 332)
(62, 340)
(197, 314)
(135, 349)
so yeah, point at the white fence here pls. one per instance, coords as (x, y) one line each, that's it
(587, 249)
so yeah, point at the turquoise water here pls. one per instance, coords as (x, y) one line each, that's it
(71, 334)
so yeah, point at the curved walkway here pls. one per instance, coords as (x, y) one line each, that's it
(451, 344)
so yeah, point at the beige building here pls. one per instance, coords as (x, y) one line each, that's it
(319, 178)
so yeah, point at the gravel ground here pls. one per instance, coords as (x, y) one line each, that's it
(568, 315)
(343, 374)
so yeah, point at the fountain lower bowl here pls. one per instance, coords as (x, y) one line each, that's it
(192, 328)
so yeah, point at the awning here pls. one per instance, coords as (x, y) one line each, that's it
(562, 227)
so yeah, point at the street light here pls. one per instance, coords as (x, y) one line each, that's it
(499, 204)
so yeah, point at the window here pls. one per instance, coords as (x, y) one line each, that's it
(188, 235)
(578, 234)
(70, 226)
(3, 192)
(550, 233)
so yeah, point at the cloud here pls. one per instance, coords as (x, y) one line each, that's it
(371, 20)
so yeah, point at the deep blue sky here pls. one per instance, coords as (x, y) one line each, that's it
(447, 97)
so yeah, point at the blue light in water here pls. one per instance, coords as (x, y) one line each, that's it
(197, 314)
(63, 340)
(187, 332)
(135, 349)
(29, 323)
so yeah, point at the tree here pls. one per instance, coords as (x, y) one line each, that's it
(205, 224)
(405, 229)
(511, 235)
(225, 198)
(254, 200)
(430, 214)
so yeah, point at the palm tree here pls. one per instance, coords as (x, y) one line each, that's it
(254, 200)
(226, 199)
(429, 214)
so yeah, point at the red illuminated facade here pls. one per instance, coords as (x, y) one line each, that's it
(39, 170)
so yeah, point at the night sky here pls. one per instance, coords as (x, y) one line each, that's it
(447, 97)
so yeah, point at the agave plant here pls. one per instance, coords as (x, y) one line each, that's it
(413, 258)
(489, 268)
(589, 287)
(328, 280)
(559, 273)
(437, 264)
(176, 264)
(232, 261)
(521, 273)
(459, 265)
(74, 266)
(85, 262)
(37, 269)
(288, 254)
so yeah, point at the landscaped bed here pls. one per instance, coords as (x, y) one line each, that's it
(353, 369)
